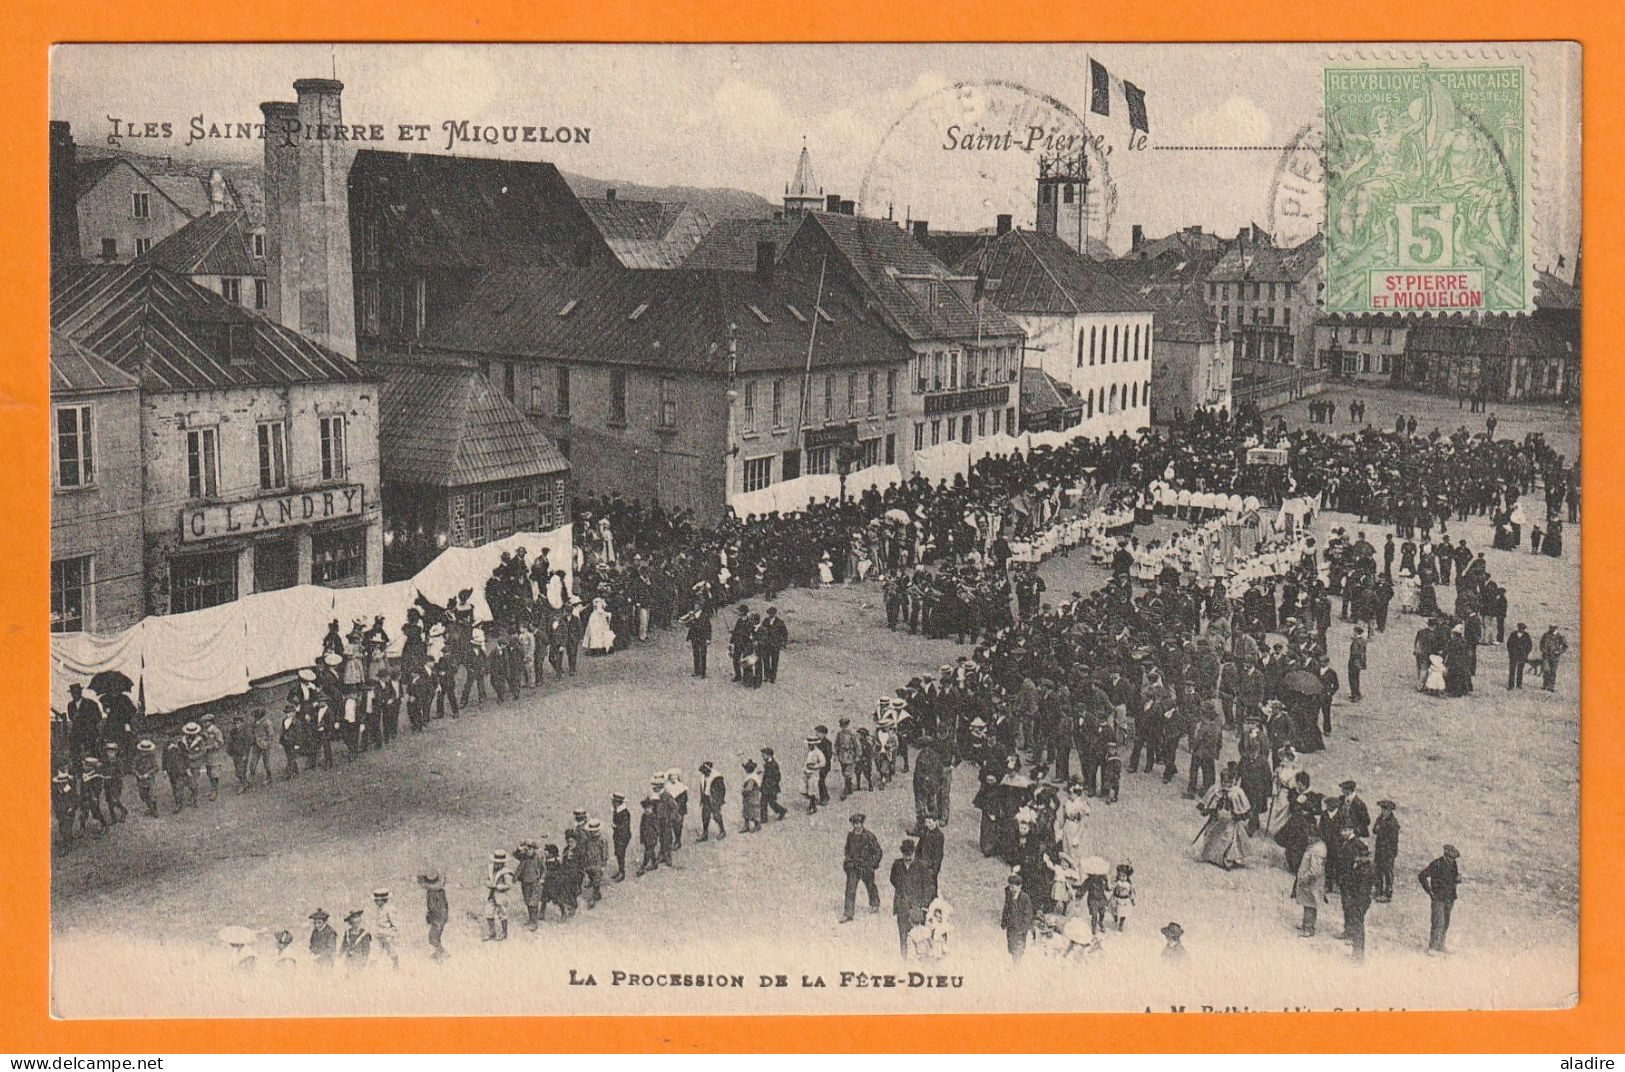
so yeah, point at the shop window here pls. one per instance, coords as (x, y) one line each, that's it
(339, 557)
(199, 581)
(72, 587)
(758, 473)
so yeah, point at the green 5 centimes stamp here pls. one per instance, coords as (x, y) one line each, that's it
(1425, 180)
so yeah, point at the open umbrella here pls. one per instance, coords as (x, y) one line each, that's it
(107, 682)
(1303, 683)
(900, 516)
(237, 935)
(1094, 865)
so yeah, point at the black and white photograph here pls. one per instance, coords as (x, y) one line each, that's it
(632, 529)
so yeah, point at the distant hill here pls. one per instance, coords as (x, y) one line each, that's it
(720, 202)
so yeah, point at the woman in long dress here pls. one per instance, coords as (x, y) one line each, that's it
(598, 639)
(1224, 839)
(1069, 829)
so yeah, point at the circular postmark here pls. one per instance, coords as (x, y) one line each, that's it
(962, 155)
(1297, 200)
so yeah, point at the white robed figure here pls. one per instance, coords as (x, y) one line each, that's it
(599, 638)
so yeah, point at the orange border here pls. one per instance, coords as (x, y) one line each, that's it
(33, 25)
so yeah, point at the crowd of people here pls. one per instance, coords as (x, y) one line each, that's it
(1156, 667)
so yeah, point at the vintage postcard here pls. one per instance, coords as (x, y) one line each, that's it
(701, 529)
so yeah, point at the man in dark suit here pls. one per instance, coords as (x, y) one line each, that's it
(772, 785)
(713, 795)
(699, 638)
(771, 638)
(1519, 645)
(1017, 918)
(620, 820)
(860, 860)
(741, 638)
(908, 903)
(1440, 879)
(929, 852)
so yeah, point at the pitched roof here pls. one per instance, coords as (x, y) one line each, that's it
(1172, 284)
(74, 368)
(190, 193)
(218, 244)
(647, 234)
(1453, 336)
(952, 247)
(1251, 261)
(680, 319)
(89, 171)
(1187, 240)
(447, 426)
(902, 276)
(1042, 393)
(730, 245)
(1035, 273)
(174, 334)
(462, 212)
(1552, 293)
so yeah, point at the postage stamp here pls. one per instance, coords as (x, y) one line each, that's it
(1425, 190)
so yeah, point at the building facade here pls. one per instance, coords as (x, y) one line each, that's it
(1361, 349)
(685, 388)
(223, 251)
(96, 481)
(124, 212)
(1269, 299)
(1192, 363)
(1082, 327)
(258, 448)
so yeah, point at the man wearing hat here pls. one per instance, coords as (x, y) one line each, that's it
(1173, 950)
(772, 786)
(1385, 850)
(197, 755)
(384, 928)
(1440, 879)
(324, 940)
(699, 637)
(713, 794)
(499, 882)
(1354, 814)
(846, 754)
(145, 768)
(594, 859)
(860, 860)
(740, 640)
(1518, 645)
(528, 871)
(357, 945)
(84, 726)
(772, 637)
(1016, 919)
(1355, 884)
(620, 819)
(649, 836)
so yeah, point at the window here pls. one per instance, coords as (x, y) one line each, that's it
(335, 462)
(868, 452)
(1092, 345)
(919, 435)
(1224, 314)
(1116, 343)
(748, 421)
(109, 248)
(1286, 318)
(617, 396)
(231, 289)
(509, 387)
(369, 304)
(72, 594)
(939, 365)
(273, 442)
(953, 370)
(668, 402)
(851, 395)
(141, 206)
(1134, 355)
(778, 403)
(1111, 400)
(964, 428)
(829, 398)
(891, 448)
(262, 298)
(1088, 405)
(821, 460)
(142, 245)
(75, 447)
(758, 473)
(561, 400)
(198, 581)
(1272, 292)
(1134, 397)
(936, 432)
(1387, 336)
(1010, 421)
(792, 464)
(536, 403)
(981, 423)
(259, 243)
(339, 558)
(420, 305)
(891, 391)
(872, 393)
(202, 464)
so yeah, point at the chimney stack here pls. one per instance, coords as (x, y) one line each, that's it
(921, 229)
(307, 217)
(849, 208)
(766, 254)
(64, 181)
(832, 202)
(609, 195)
(1137, 238)
(1002, 224)
(217, 192)
(281, 174)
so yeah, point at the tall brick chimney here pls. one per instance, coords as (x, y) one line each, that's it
(281, 175)
(64, 163)
(307, 210)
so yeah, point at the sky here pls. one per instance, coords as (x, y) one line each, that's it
(877, 120)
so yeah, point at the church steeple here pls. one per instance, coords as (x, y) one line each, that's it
(803, 194)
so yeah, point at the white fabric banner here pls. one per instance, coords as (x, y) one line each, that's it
(178, 660)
